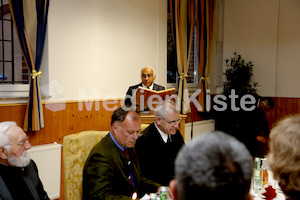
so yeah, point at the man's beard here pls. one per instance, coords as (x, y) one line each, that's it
(23, 161)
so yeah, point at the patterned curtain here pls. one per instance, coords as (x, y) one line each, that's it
(182, 16)
(30, 19)
(205, 27)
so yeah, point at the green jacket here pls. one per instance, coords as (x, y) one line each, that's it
(106, 172)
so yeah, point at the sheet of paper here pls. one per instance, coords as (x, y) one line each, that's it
(145, 197)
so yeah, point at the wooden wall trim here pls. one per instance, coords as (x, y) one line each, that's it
(16, 103)
(282, 108)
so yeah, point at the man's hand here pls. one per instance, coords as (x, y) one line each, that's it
(261, 139)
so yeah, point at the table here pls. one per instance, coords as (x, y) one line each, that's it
(271, 182)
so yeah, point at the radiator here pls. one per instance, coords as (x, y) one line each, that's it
(48, 160)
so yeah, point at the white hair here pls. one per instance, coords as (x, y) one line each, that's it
(163, 107)
(148, 66)
(214, 164)
(4, 126)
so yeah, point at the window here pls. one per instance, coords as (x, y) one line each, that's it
(172, 71)
(14, 75)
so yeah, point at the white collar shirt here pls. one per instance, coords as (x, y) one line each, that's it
(162, 134)
(151, 86)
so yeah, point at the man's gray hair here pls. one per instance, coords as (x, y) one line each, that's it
(214, 165)
(163, 107)
(148, 66)
(4, 126)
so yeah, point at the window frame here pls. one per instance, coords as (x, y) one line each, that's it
(10, 90)
(14, 90)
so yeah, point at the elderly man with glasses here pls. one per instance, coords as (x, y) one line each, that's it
(112, 169)
(159, 144)
(19, 177)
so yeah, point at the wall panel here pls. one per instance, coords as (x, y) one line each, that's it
(282, 108)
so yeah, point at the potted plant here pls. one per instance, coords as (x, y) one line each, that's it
(238, 76)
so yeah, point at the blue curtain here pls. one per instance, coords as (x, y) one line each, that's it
(30, 19)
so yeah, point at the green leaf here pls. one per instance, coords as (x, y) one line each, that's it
(238, 76)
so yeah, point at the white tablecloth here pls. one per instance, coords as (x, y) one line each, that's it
(271, 182)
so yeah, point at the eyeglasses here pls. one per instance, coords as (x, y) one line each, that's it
(172, 123)
(147, 75)
(22, 143)
(131, 134)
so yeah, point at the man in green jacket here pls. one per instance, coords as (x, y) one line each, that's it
(112, 171)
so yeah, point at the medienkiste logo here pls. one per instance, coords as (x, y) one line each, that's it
(220, 102)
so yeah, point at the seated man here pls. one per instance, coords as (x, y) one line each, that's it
(112, 169)
(284, 155)
(19, 177)
(213, 166)
(250, 127)
(263, 131)
(159, 144)
(147, 76)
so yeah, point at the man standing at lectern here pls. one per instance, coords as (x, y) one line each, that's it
(159, 144)
(147, 76)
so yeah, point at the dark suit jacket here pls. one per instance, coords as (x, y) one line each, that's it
(106, 172)
(31, 177)
(245, 126)
(156, 157)
(134, 87)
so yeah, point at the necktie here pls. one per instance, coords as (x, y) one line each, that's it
(126, 152)
(129, 164)
(169, 140)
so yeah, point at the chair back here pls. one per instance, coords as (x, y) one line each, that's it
(76, 148)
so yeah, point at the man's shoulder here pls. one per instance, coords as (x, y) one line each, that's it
(158, 87)
(135, 86)
(31, 166)
(103, 150)
(179, 137)
(146, 132)
(102, 145)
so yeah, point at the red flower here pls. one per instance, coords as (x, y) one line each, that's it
(270, 193)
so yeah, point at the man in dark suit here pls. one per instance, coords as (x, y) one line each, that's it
(112, 170)
(147, 76)
(159, 144)
(19, 177)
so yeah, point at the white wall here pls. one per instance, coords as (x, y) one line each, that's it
(288, 67)
(250, 29)
(266, 32)
(98, 47)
